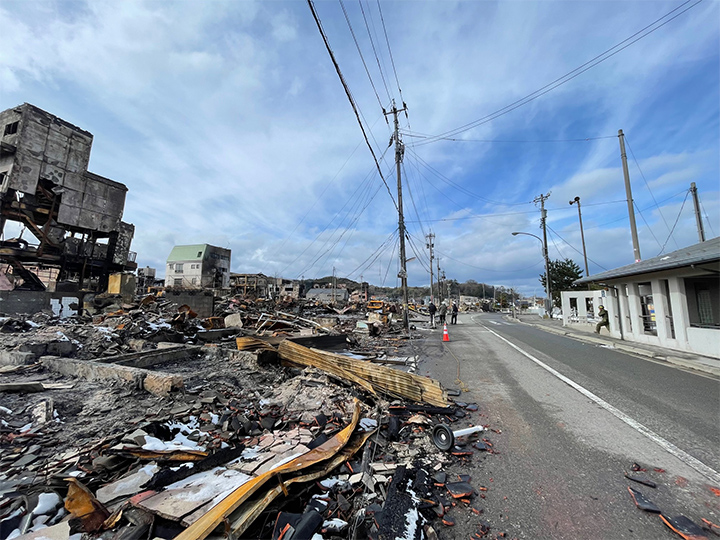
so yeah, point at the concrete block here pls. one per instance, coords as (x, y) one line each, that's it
(157, 383)
(234, 320)
(161, 384)
(16, 358)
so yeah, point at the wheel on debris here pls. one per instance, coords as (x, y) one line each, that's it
(443, 437)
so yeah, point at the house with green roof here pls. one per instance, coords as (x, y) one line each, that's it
(198, 266)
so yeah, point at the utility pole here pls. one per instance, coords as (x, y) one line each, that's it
(543, 216)
(441, 280)
(582, 234)
(698, 217)
(430, 237)
(399, 152)
(333, 286)
(628, 192)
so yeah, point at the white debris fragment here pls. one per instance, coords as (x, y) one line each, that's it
(368, 424)
(47, 502)
(334, 525)
(180, 442)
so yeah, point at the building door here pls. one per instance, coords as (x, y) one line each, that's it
(647, 308)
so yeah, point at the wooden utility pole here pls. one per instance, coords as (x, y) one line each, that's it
(582, 234)
(430, 237)
(628, 193)
(543, 216)
(698, 216)
(440, 281)
(399, 152)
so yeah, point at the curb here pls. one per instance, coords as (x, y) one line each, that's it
(693, 365)
(676, 360)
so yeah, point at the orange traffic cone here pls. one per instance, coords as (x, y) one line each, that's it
(446, 336)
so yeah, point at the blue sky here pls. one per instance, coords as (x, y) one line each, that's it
(228, 124)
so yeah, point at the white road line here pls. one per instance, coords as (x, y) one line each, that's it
(666, 445)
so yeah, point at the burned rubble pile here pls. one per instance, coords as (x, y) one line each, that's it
(263, 434)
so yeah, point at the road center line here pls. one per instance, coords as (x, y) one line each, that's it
(666, 445)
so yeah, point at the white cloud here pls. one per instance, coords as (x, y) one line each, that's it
(227, 122)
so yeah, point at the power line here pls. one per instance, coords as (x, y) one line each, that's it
(372, 44)
(327, 186)
(352, 32)
(392, 257)
(392, 61)
(349, 96)
(646, 223)
(367, 180)
(457, 186)
(707, 218)
(412, 199)
(586, 139)
(375, 254)
(503, 214)
(350, 224)
(609, 53)
(627, 142)
(675, 224)
(573, 247)
(624, 217)
(542, 261)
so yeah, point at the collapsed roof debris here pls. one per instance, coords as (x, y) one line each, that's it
(142, 419)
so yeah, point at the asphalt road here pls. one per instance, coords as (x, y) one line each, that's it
(564, 444)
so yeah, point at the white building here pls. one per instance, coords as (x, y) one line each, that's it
(672, 300)
(198, 266)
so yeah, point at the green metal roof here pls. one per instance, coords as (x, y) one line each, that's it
(187, 253)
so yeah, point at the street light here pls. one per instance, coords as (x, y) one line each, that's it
(548, 300)
(582, 234)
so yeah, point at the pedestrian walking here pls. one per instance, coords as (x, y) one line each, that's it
(432, 309)
(453, 318)
(604, 320)
(443, 312)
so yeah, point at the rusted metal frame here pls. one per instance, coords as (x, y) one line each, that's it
(207, 523)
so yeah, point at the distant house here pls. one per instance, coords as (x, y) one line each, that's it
(327, 295)
(254, 285)
(672, 300)
(198, 266)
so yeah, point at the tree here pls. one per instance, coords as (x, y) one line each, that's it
(562, 276)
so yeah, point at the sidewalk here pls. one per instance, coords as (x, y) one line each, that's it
(681, 358)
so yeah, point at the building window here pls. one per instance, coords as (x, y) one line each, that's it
(11, 129)
(703, 298)
(199, 254)
(647, 308)
(179, 268)
(194, 281)
(178, 282)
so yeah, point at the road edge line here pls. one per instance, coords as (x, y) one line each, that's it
(666, 445)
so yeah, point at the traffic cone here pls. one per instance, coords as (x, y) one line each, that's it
(446, 336)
